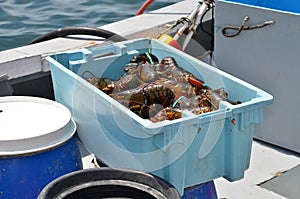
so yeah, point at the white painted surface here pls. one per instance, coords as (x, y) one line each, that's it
(267, 58)
(266, 162)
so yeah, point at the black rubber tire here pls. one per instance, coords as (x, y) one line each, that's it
(109, 183)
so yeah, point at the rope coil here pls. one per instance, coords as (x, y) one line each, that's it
(243, 27)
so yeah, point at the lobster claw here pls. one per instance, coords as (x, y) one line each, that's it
(197, 83)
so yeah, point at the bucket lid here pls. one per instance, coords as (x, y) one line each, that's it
(31, 124)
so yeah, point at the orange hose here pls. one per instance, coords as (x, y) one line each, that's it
(144, 7)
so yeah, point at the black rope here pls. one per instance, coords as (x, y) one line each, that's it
(210, 34)
(62, 32)
(212, 27)
(201, 21)
(243, 27)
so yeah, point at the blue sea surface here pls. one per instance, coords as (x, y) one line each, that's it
(21, 21)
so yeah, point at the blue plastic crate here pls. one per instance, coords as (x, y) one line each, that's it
(186, 151)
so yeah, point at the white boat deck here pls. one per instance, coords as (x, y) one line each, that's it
(267, 160)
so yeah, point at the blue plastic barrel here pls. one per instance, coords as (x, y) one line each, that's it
(36, 145)
(205, 190)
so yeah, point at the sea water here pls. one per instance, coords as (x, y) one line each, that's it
(21, 21)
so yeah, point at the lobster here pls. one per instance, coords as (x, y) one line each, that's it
(141, 99)
(160, 90)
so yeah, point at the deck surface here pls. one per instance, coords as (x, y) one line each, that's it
(268, 163)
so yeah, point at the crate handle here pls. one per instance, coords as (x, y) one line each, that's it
(107, 51)
(106, 54)
(243, 27)
(112, 50)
